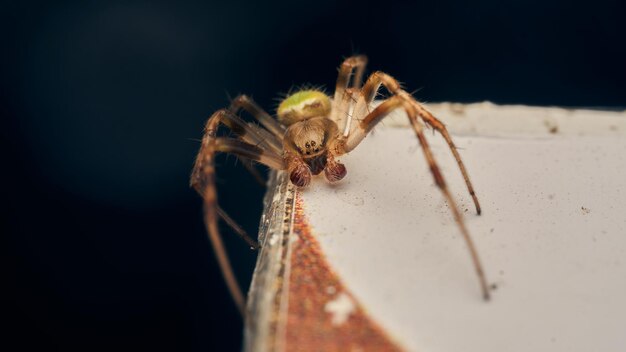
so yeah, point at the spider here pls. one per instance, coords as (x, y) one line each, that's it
(310, 131)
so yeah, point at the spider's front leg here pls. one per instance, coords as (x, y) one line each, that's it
(343, 89)
(368, 93)
(403, 100)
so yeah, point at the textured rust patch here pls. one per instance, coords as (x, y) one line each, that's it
(312, 285)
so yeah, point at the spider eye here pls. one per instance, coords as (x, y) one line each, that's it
(307, 145)
(312, 144)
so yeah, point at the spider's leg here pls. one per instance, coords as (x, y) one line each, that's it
(343, 97)
(246, 103)
(366, 125)
(367, 97)
(273, 143)
(458, 217)
(203, 181)
(249, 165)
(248, 132)
(439, 126)
(254, 244)
(351, 64)
(402, 100)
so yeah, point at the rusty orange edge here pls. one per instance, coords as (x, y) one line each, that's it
(296, 300)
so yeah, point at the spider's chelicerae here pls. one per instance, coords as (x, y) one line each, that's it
(310, 132)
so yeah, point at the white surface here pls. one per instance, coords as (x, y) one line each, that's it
(552, 237)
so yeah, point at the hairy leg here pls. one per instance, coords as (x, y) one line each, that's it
(248, 132)
(246, 103)
(258, 177)
(254, 244)
(367, 96)
(343, 90)
(203, 181)
(439, 180)
(404, 101)
(441, 128)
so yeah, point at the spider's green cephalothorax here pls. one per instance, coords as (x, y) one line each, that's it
(303, 105)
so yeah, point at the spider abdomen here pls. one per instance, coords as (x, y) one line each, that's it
(303, 105)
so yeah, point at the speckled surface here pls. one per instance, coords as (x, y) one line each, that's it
(552, 236)
(322, 314)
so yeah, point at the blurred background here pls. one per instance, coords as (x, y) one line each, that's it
(103, 104)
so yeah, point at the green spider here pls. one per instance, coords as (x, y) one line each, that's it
(308, 134)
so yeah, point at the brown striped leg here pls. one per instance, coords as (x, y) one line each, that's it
(250, 133)
(364, 126)
(246, 103)
(254, 244)
(203, 181)
(370, 89)
(357, 80)
(276, 146)
(404, 101)
(342, 97)
(247, 132)
(349, 65)
(249, 165)
(367, 96)
(439, 126)
(458, 217)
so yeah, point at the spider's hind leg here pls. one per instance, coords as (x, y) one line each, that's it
(258, 177)
(254, 244)
(246, 103)
(203, 181)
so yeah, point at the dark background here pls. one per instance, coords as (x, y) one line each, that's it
(103, 246)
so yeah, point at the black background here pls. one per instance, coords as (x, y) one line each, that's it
(103, 246)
